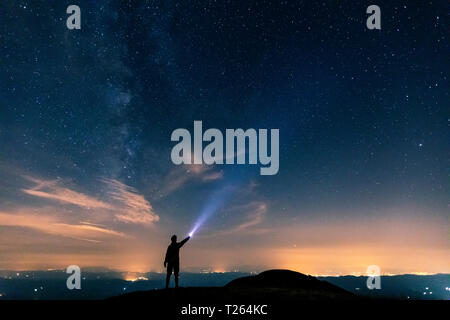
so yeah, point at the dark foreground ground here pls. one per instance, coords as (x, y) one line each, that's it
(274, 294)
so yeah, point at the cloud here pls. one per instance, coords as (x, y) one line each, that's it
(131, 207)
(52, 189)
(212, 176)
(124, 202)
(255, 217)
(52, 225)
(183, 174)
(254, 213)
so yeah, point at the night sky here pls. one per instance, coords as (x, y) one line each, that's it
(86, 118)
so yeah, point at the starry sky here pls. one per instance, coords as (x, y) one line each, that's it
(86, 117)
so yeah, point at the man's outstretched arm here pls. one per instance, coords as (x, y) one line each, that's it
(183, 242)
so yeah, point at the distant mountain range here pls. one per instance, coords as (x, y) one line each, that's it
(407, 286)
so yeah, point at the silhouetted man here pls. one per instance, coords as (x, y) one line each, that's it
(172, 260)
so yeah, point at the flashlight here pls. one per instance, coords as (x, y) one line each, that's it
(194, 229)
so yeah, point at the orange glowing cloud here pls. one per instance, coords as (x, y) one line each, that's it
(52, 225)
(125, 202)
(133, 207)
(51, 189)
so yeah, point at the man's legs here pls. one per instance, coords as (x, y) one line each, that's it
(167, 280)
(169, 272)
(176, 269)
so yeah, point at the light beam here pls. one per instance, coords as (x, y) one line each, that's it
(216, 200)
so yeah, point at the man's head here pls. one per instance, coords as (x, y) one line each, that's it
(174, 238)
